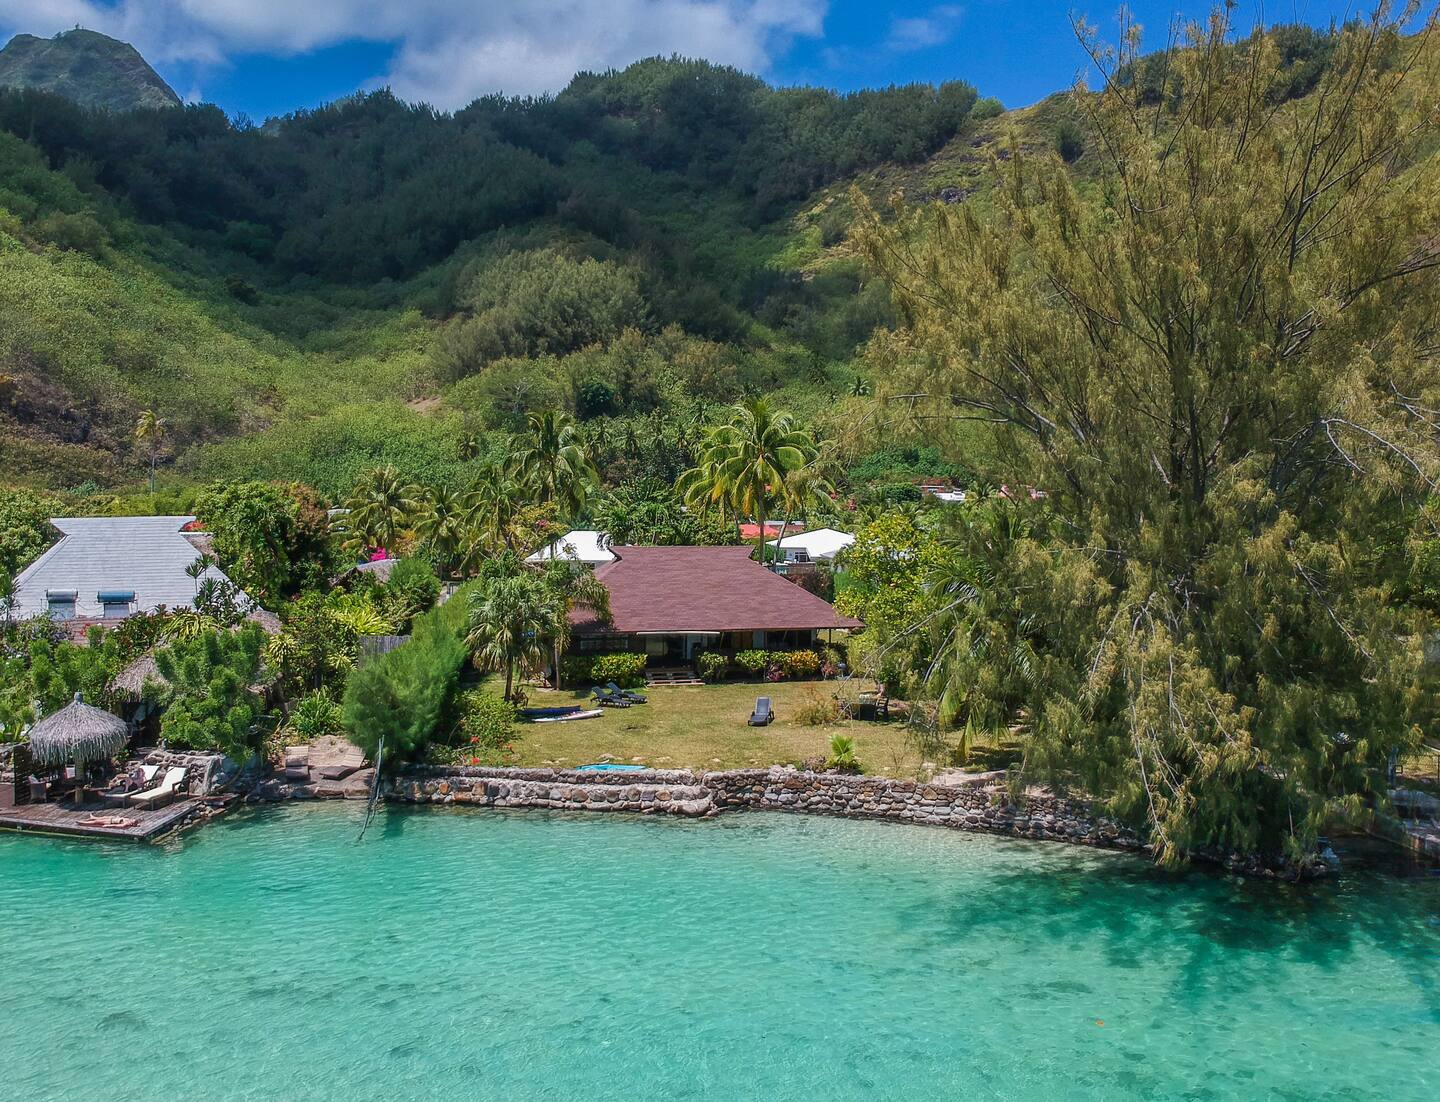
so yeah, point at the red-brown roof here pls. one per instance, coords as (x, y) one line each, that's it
(680, 589)
(772, 528)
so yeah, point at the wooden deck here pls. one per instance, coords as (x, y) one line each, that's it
(63, 819)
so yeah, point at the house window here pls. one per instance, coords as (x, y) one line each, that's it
(595, 644)
(800, 556)
(115, 604)
(60, 604)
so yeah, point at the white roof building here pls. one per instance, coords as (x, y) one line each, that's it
(584, 545)
(109, 568)
(822, 544)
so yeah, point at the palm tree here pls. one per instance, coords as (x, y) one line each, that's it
(703, 486)
(468, 447)
(490, 506)
(571, 588)
(859, 388)
(748, 458)
(380, 508)
(442, 523)
(552, 461)
(150, 430)
(509, 618)
(520, 614)
(809, 485)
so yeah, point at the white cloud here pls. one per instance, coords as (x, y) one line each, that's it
(447, 52)
(925, 31)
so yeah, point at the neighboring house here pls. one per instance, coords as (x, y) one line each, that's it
(821, 545)
(107, 568)
(584, 545)
(379, 569)
(672, 602)
(750, 531)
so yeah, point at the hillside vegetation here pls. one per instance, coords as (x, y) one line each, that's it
(373, 282)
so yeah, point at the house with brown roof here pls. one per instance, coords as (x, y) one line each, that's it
(673, 602)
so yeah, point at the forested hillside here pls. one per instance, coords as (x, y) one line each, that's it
(375, 282)
(372, 280)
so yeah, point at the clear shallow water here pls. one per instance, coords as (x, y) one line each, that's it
(532, 955)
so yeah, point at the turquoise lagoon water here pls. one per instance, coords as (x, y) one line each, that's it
(488, 955)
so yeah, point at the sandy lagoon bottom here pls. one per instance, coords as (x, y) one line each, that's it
(536, 955)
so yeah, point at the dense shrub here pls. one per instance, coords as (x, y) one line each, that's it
(25, 529)
(797, 663)
(272, 539)
(412, 589)
(711, 666)
(1069, 142)
(315, 716)
(485, 727)
(401, 696)
(779, 665)
(625, 668)
(209, 704)
(575, 669)
(752, 662)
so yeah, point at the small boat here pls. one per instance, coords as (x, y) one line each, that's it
(565, 717)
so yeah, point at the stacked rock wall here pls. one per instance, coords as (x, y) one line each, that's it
(964, 807)
(205, 772)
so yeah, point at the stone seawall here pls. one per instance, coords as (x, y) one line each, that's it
(964, 807)
(205, 773)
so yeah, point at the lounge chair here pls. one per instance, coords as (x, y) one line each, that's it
(127, 784)
(297, 763)
(162, 793)
(608, 700)
(763, 715)
(625, 694)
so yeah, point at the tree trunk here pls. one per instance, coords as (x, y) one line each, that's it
(762, 530)
(780, 539)
(509, 678)
(152, 468)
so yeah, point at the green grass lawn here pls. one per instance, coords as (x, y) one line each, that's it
(703, 727)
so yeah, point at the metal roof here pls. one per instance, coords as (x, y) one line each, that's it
(822, 543)
(583, 545)
(144, 555)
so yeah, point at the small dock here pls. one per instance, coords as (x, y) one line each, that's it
(65, 819)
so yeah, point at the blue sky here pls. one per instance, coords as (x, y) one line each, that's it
(267, 57)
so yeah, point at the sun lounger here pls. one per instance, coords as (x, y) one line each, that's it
(625, 694)
(162, 793)
(763, 714)
(608, 700)
(297, 763)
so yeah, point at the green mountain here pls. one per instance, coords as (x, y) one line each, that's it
(375, 282)
(87, 67)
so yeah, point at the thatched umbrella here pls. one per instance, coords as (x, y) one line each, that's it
(79, 732)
